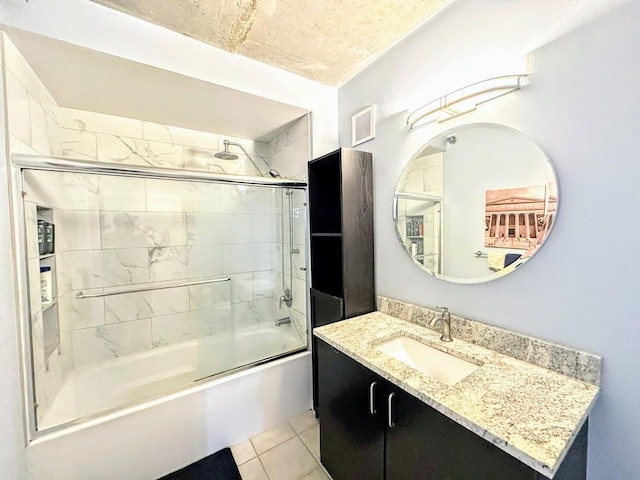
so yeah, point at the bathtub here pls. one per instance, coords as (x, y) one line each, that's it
(151, 439)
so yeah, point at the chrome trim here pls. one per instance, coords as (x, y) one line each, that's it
(82, 295)
(436, 200)
(372, 406)
(418, 196)
(23, 301)
(37, 162)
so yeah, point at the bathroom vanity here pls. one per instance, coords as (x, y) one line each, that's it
(383, 419)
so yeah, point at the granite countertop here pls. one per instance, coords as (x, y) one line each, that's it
(528, 411)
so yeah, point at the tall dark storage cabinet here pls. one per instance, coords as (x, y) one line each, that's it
(341, 218)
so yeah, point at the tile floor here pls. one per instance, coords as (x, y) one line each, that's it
(290, 451)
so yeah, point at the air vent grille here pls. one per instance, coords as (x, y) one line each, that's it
(363, 126)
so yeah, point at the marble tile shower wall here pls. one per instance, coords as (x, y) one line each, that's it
(112, 241)
(33, 113)
(116, 231)
(50, 368)
(295, 270)
(107, 138)
(289, 152)
(33, 129)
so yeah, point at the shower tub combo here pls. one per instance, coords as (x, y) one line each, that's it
(175, 310)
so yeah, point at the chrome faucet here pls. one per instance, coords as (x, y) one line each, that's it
(445, 320)
(287, 299)
(283, 321)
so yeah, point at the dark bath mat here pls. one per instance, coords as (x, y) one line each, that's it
(217, 466)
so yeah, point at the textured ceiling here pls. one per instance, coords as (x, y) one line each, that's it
(325, 40)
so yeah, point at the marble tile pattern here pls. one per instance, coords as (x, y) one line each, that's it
(568, 361)
(48, 382)
(294, 214)
(79, 144)
(32, 124)
(32, 113)
(290, 151)
(109, 138)
(135, 151)
(91, 345)
(116, 232)
(530, 412)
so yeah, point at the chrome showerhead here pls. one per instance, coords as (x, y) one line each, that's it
(226, 154)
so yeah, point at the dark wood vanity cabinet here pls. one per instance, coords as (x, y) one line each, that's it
(372, 430)
(341, 224)
(351, 418)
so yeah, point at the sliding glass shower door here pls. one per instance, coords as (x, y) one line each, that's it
(151, 284)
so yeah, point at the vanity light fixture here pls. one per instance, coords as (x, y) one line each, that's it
(464, 100)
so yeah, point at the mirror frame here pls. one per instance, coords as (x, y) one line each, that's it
(493, 275)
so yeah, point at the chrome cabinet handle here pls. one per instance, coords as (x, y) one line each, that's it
(390, 421)
(372, 406)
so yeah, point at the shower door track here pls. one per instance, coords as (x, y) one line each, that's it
(38, 162)
(96, 418)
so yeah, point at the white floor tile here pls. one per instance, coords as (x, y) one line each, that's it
(317, 474)
(243, 452)
(311, 438)
(252, 470)
(304, 421)
(272, 437)
(288, 461)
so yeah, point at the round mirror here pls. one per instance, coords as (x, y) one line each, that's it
(475, 203)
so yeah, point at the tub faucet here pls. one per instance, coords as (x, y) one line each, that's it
(283, 321)
(287, 299)
(445, 320)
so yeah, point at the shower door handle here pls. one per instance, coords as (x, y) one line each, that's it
(372, 393)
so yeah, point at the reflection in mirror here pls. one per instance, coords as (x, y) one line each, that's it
(475, 203)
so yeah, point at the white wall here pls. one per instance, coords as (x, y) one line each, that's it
(583, 108)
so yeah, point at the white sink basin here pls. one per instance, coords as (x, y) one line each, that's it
(440, 365)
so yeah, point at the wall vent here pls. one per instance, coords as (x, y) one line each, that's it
(363, 126)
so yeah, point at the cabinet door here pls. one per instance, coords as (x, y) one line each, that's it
(325, 308)
(423, 444)
(351, 436)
